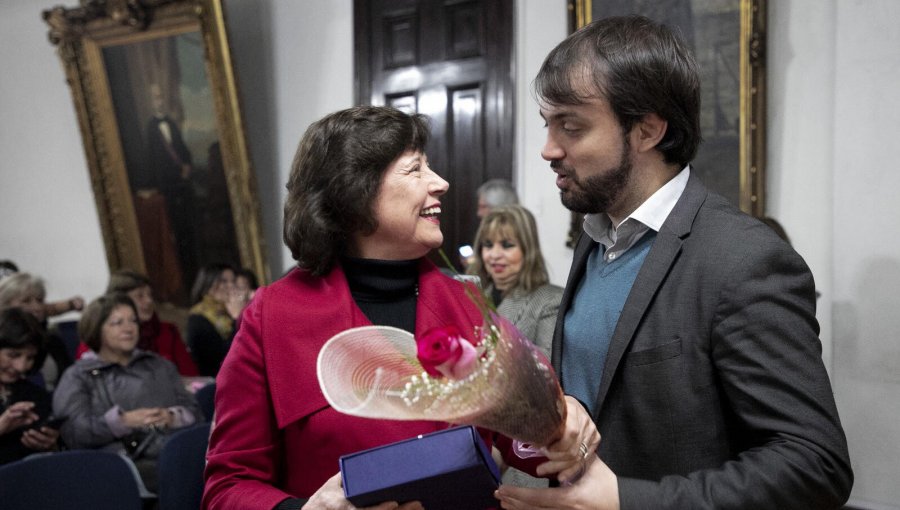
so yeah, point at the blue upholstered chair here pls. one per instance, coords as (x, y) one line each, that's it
(180, 465)
(206, 397)
(74, 479)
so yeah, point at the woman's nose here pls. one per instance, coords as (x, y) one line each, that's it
(438, 185)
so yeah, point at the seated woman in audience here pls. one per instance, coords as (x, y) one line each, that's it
(509, 262)
(245, 285)
(361, 215)
(73, 304)
(210, 326)
(157, 336)
(124, 395)
(24, 407)
(22, 290)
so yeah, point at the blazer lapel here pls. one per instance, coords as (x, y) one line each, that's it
(657, 265)
(303, 313)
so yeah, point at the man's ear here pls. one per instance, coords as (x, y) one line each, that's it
(648, 132)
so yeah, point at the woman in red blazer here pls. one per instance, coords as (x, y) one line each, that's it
(361, 214)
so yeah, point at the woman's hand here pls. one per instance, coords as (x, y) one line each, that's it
(330, 496)
(569, 455)
(42, 439)
(237, 301)
(148, 417)
(16, 416)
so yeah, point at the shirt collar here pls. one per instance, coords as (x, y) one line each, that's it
(652, 213)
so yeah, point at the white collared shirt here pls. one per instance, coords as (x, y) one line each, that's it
(651, 214)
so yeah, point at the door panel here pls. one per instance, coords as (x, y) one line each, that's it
(436, 57)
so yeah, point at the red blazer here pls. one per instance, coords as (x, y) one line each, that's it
(275, 435)
(169, 345)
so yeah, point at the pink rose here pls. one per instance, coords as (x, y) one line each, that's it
(443, 352)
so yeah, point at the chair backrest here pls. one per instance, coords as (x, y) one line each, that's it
(73, 479)
(206, 398)
(68, 332)
(181, 463)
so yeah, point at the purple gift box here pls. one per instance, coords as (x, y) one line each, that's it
(447, 470)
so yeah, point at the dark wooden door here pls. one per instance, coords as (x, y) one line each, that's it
(451, 60)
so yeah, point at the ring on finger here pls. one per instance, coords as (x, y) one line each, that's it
(583, 449)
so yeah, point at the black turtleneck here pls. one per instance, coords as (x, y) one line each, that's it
(385, 290)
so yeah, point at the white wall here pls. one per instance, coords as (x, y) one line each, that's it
(833, 117)
(833, 114)
(866, 247)
(800, 125)
(294, 61)
(540, 25)
(50, 225)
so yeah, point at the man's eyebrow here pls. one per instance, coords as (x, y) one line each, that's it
(561, 115)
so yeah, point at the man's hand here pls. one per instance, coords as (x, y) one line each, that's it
(580, 439)
(597, 489)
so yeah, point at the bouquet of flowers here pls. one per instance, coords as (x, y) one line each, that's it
(492, 377)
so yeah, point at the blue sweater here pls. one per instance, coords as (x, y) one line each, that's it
(592, 318)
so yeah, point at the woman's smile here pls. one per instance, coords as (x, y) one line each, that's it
(432, 214)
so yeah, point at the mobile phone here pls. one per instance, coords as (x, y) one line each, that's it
(53, 422)
(466, 251)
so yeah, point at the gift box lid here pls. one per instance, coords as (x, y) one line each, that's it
(451, 469)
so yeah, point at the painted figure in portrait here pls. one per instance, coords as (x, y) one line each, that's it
(164, 111)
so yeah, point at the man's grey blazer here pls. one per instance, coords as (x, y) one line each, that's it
(714, 394)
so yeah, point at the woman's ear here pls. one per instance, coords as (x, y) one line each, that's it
(648, 132)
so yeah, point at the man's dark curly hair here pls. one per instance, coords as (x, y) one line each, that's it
(639, 67)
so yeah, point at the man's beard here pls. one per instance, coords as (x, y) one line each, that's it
(596, 193)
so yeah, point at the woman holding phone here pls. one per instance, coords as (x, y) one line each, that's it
(24, 407)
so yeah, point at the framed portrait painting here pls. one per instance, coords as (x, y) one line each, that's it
(728, 41)
(157, 107)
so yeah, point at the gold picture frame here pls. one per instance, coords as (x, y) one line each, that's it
(157, 106)
(730, 33)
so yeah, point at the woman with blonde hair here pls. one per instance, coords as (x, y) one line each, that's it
(27, 292)
(509, 262)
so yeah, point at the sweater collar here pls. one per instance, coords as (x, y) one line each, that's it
(381, 280)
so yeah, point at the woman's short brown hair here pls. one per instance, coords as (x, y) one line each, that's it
(518, 222)
(90, 327)
(335, 178)
(126, 281)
